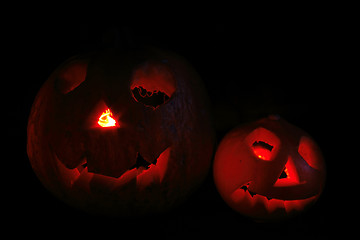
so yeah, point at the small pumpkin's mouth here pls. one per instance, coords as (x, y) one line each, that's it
(243, 195)
(245, 187)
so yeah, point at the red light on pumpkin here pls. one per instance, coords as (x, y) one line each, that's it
(106, 120)
(262, 150)
(262, 153)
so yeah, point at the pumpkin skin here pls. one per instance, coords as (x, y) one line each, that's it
(269, 169)
(150, 160)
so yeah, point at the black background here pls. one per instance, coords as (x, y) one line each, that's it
(251, 67)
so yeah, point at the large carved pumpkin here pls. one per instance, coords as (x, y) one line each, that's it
(121, 133)
(269, 169)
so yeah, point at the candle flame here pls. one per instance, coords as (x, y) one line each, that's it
(106, 120)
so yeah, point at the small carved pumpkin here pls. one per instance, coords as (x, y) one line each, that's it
(269, 169)
(121, 133)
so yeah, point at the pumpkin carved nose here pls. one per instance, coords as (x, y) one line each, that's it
(284, 174)
(106, 119)
(289, 176)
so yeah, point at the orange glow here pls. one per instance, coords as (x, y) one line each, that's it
(290, 170)
(287, 173)
(106, 120)
(262, 153)
(263, 150)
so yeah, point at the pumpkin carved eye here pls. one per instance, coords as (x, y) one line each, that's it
(309, 151)
(263, 143)
(148, 98)
(153, 84)
(262, 150)
(71, 76)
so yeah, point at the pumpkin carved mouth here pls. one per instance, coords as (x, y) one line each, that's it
(142, 171)
(244, 194)
(141, 164)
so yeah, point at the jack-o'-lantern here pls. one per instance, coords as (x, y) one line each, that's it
(121, 132)
(269, 169)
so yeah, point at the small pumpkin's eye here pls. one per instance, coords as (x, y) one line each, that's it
(310, 152)
(153, 84)
(262, 150)
(263, 143)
